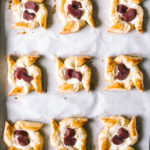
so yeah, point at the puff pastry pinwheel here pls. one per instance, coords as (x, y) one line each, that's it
(74, 14)
(29, 14)
(69, 134)
(123, 73)
(23, 75)
(126, 15)
(73, 74)
(117, 134)
(23, 135)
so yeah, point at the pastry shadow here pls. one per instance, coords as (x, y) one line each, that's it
(146, 78)
(94, 76)
(44, 74)
(89, 143)
(50, 14)
(45, 137)
(95, 14)
(139, 124)
(146, 18)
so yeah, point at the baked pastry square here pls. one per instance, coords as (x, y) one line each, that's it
(29, 14)
(125, 16)
(69, 134)
(23, 75)
(73, 74)
(123, 73)
(74, 14)
(118, 133)
(23, 135)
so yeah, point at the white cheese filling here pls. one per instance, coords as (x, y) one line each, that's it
(18, 13)
(29, 72)
(130, 77)
(129, 5)
(72, 80)
(126, 142)
(85, 10)
(78, 136)
(34, 140)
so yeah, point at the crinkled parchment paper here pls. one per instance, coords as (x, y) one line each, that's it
(94, 105)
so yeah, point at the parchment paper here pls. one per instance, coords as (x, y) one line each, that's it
(88, 41)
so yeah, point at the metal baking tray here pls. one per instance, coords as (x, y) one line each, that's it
(93, 42)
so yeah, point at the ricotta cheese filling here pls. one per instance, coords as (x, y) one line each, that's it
(33, 137)
(85, 10)
(78, 136)
(74, 81)
(29, 71)
(129, 5)
(19, 10)
(129, 77)
(125, 143)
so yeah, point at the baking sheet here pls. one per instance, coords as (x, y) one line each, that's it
(94, 105)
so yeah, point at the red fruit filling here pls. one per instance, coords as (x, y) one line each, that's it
(121, 135)
(70, 73)
(128, 14)
(20, 73)
(69, 139)
(28, 16)
(31, 5)
(116, 140)
(74, 9)
(22, 137)
(123, 71)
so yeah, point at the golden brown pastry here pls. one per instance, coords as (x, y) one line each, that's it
(125, 16)
(123, 73)
(23, 75)
(118, 133)
(73, 74)
(23, 135)
(74, 14)
(69, 134)
(29, 14)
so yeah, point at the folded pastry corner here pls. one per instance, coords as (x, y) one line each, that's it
(73, 74)
(69, 133)
(125, 16)
(123, 73)
(23, 135)
(117, 133)
(29, 14)
(75, 14)
(23, 75)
